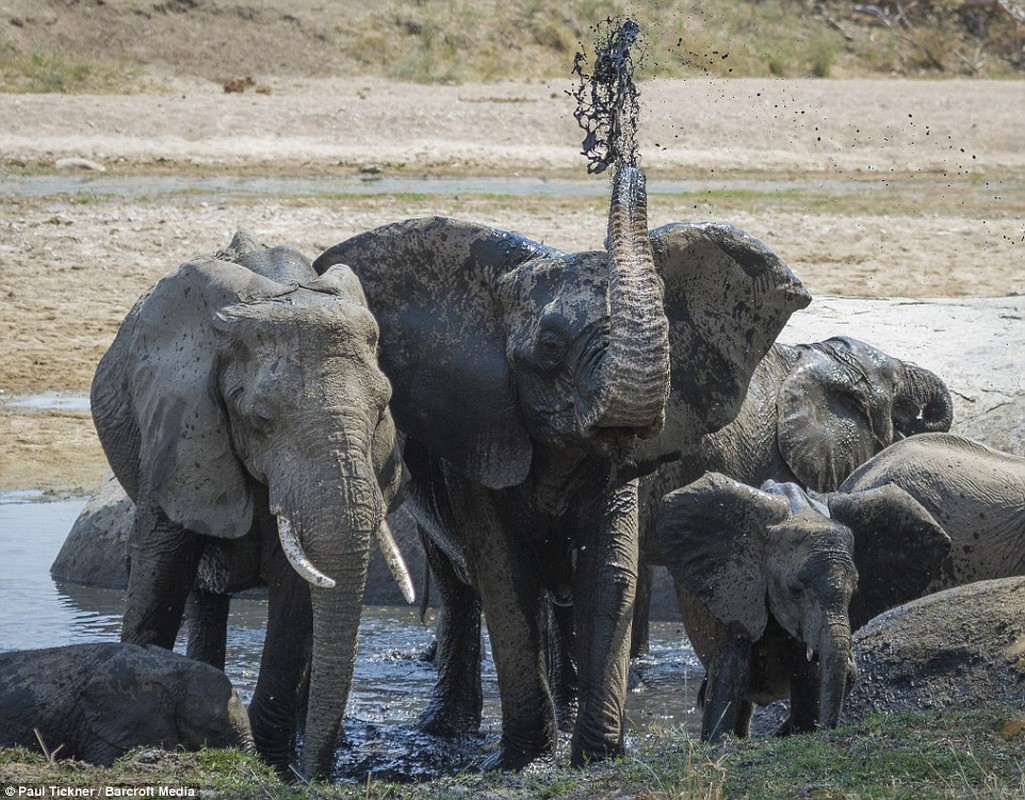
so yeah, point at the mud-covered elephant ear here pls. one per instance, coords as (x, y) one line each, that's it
(711, 535)
(430, 283)
(898, 547)
(727, 297)
(832, 416)
(166, 375)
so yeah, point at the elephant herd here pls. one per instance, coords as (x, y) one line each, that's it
(556, 423)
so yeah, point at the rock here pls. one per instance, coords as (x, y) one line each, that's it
(962, 647)
(94, 554)
(79, 163)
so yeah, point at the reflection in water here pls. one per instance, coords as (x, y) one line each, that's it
(392, 681)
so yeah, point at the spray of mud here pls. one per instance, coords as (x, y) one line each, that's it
(607, 98)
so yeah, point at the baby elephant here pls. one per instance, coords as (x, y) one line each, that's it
(765, 581)
(94, 702)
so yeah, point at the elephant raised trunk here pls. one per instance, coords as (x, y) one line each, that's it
(637, 360)
(925, 406)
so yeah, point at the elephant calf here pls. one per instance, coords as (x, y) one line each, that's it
(771, 582)
(94, 702)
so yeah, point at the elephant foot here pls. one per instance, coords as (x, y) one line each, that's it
(517, 759)
(582, 754)
(447, 720)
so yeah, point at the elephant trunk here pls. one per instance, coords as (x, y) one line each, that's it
(837, 672)
(335, 534)
(927, 407)
(636, 367)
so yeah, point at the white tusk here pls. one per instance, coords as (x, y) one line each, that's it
(810, 653)
(396, 564)
(297, 557)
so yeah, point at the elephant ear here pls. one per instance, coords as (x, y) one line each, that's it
(831, 417)
(185, 448)
(431, 284)
(898, 547)
(711, 535)
(727, 297)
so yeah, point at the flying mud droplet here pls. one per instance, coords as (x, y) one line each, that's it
(607, 98)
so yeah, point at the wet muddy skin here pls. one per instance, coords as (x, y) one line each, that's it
(392, 682)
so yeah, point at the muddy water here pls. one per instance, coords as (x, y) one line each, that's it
(392, 680)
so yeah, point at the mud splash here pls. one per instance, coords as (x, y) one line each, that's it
(608, 102)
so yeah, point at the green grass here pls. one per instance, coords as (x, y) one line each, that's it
(976, 754)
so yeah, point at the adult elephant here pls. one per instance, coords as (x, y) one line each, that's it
(522, 376)
(812, 414)
(771, 583)
(975, 492)
(241, 400)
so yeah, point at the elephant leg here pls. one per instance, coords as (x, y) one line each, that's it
(207, 621)
(163, 558)
(562, 671)
(455, 705)
(725, 689)
(642, 610)
(284, 665)
(509, 581)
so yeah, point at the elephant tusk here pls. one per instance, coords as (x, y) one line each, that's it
(810, 653)
(297, 557)
(396, 563)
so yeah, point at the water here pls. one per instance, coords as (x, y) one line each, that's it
(392, 681)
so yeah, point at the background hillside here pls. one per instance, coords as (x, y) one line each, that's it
(119, 45)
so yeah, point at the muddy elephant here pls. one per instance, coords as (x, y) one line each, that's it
(522, 377)
(771, 582)
(241, 402)
(95, 702)
(975, 492)
(812, 414)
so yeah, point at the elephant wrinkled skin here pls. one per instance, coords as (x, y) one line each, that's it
(765, 580)
(241, 404)
(522, 378)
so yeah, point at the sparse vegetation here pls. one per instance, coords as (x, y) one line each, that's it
(955, 754)
(134, 45)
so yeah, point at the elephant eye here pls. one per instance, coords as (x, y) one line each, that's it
(796, 589)
(550, 346)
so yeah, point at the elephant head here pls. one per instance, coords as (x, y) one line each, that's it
(495, 343)
(748, 555)
(229, 396)
(844, 401)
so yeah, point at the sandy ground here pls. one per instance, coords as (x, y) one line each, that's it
(866, 188)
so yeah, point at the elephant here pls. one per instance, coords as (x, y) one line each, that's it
(771, 583)
(812, 414)
(241, 402)
(96, 701)
(976, 493)
(523, 377)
